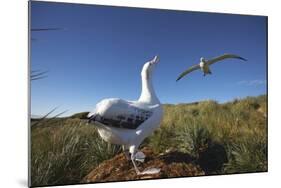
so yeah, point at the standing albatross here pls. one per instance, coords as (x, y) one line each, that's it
(204, 64)
(128, 123)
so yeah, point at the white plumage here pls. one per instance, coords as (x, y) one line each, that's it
(128, 123)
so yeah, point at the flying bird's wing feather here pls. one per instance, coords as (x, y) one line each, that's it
(225, 56)
(190, 69)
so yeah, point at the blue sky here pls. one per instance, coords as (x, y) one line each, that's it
(101, 50)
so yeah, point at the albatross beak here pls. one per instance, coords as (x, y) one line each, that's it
(155, 60)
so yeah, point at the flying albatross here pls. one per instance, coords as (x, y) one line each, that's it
(204, 64)
(128, 123)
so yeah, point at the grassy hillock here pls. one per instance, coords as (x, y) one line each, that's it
(209, 130)
(222, 138)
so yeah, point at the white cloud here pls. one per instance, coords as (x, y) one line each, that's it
(252, 82)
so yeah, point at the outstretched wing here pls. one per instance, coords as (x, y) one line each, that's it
(225, 56)
(120, 114)
(190, 69)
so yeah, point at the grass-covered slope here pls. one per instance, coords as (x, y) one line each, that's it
(221, 138)
(238, 128)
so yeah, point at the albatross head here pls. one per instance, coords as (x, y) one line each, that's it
(202, 59)
(147, 92)
(148, 67)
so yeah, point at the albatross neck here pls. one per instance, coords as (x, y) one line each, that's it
(147, 93)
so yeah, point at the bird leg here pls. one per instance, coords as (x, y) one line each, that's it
(126, 152)
(140, 156)
(127, 155)
(147, 171)
(135, 166)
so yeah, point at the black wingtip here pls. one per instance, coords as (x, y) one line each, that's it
(239, 57)
(243, 59)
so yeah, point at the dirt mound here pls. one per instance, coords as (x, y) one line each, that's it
(171, 163)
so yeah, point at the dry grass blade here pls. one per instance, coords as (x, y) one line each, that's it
(46, 29)
(46, 119)
(36, 75)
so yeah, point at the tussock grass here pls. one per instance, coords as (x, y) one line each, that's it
(223, 138)
(66, 152)
(239, 126)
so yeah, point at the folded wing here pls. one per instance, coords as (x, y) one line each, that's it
(120, 114)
